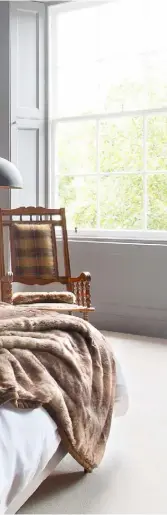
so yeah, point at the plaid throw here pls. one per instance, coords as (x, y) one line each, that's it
(33, 250)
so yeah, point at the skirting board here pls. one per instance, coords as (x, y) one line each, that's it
(148, 322)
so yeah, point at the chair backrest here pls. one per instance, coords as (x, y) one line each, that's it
(34, 245)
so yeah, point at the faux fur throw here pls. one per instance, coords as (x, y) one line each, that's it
(64, 364)
(35, 297)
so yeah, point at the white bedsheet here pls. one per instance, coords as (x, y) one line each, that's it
(28, 440)
(121, 394)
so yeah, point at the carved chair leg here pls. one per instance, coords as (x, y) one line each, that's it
(85, 316)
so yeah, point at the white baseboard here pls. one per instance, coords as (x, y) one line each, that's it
(134, 320)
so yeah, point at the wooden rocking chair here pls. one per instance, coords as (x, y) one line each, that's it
(34, 249)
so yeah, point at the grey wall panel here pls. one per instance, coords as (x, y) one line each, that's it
(129, 285)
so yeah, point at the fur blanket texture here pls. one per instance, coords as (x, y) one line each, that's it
(64, 364)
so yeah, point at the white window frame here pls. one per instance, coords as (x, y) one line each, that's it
(110, 234)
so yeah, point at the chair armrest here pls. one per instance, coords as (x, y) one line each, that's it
(6, 288)
(80, 286)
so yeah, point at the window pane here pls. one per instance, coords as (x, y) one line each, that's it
(131, 27)
(121, 202)
(76, 91)
(157, 143)
(121, 145)
(93, 69)
(68, 36)
(76, 147)
(78, 196)
(133, 67)
(118, 89)
(157, 202)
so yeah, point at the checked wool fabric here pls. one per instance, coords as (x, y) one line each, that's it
(33, 250)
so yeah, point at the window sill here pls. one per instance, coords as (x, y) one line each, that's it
(128, 237)
(120, 241)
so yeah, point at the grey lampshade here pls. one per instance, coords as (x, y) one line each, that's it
(10, 176)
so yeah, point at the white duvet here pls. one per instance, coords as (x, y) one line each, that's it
(29, 439)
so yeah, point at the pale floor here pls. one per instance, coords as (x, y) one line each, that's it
(132, 477)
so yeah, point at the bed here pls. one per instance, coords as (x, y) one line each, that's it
(63, 364)
(31, 448)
